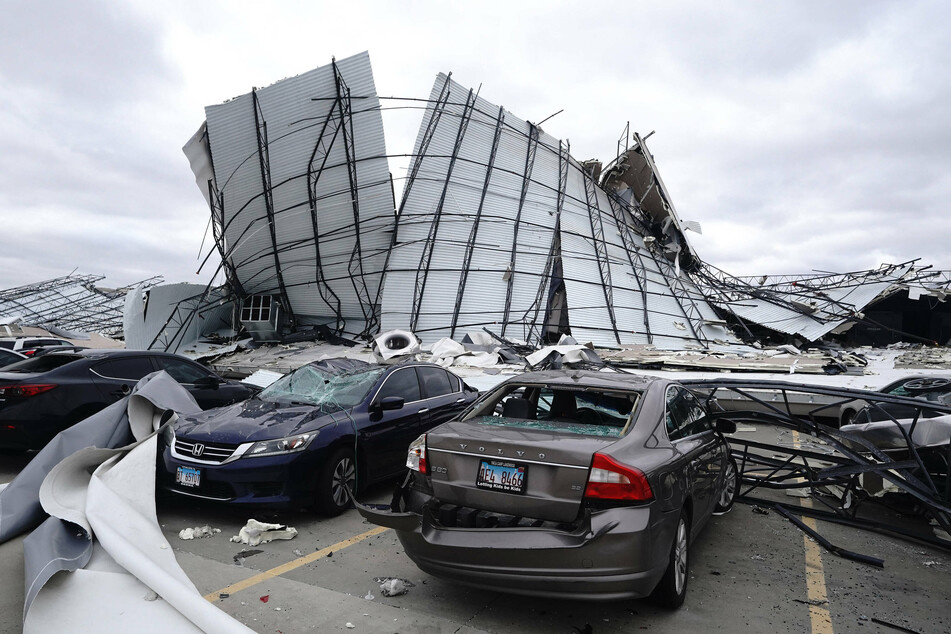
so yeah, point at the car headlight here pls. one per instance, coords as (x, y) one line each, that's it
(291, 444)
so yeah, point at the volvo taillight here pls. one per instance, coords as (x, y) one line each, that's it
(24, 391)
(416, 457)
(611, 480)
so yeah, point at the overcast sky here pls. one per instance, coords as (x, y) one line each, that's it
(801, 135)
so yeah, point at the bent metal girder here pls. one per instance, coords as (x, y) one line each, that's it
(320, 155)
(260, 129)
(600, 249)
(355, 268)
(438, 107)
(837, 458)
(474, 232)
(537, 331)
(633, 258)
(526, 181)
(425, 259)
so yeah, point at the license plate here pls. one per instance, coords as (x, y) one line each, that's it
(500, 475)
(188, 476)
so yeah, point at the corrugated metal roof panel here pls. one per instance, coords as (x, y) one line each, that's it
(832, 304)
(295, 112)
(492, 269)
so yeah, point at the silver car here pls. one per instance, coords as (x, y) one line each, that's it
(574, 484)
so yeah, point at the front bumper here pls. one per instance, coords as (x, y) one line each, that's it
(281, 481)
(611, 554)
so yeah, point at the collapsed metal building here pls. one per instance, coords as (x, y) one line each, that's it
(70, 304)
(498, 227)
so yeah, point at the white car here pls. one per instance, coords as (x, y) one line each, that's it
(926, 387)
(28, 345)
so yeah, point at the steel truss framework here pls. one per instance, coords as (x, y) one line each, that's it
(830, 463)
(72, 303)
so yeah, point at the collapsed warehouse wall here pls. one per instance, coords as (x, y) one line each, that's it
(297, 179)
(500, 227)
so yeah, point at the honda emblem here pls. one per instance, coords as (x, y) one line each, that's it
(198, 449)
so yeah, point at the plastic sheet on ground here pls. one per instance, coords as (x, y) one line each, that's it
(100, 562)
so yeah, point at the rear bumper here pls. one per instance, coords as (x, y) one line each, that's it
(614, 554)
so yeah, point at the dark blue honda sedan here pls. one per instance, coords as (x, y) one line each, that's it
(312, 436)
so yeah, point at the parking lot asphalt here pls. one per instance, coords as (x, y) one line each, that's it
(749, 572)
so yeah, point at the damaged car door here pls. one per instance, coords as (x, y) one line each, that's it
(393, 421)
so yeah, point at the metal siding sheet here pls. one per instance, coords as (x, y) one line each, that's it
(294, 122)
(483, 301)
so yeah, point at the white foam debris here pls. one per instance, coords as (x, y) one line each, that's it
(255, 532)
(393, 587)
(198, 532)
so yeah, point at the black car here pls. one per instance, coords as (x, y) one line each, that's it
(9, 357)
(312, 436)
(41, 396)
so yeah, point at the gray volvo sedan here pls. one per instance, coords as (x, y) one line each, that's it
(587, 485)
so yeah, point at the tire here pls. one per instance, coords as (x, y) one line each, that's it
(337, 474)
(731, 488)
(672, 589)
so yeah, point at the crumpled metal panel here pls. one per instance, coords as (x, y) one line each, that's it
(295, 111)
(835, 298)
(430, 309)
(483, 299)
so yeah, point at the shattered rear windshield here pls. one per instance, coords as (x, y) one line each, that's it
(606, 414)
(308, 385)
(556, 426)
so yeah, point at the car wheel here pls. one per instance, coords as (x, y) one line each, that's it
(731, 488)
(337, 479)
(672, 589)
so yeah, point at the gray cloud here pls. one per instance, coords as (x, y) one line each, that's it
(802, 135)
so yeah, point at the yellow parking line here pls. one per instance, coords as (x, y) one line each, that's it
(816, 584)
(291, 565)
(819, 616)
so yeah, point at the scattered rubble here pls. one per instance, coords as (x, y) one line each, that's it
(394, 587)
(198, 532)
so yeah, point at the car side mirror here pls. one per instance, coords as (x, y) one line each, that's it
(209, 382)
(389, 403)
(726, 426)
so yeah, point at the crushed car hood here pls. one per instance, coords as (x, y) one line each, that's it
(253, 420)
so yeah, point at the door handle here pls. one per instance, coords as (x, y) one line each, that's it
(460, 400)
(423, 411)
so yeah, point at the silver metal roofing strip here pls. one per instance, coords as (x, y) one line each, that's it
(294, 110)
(531, 202)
